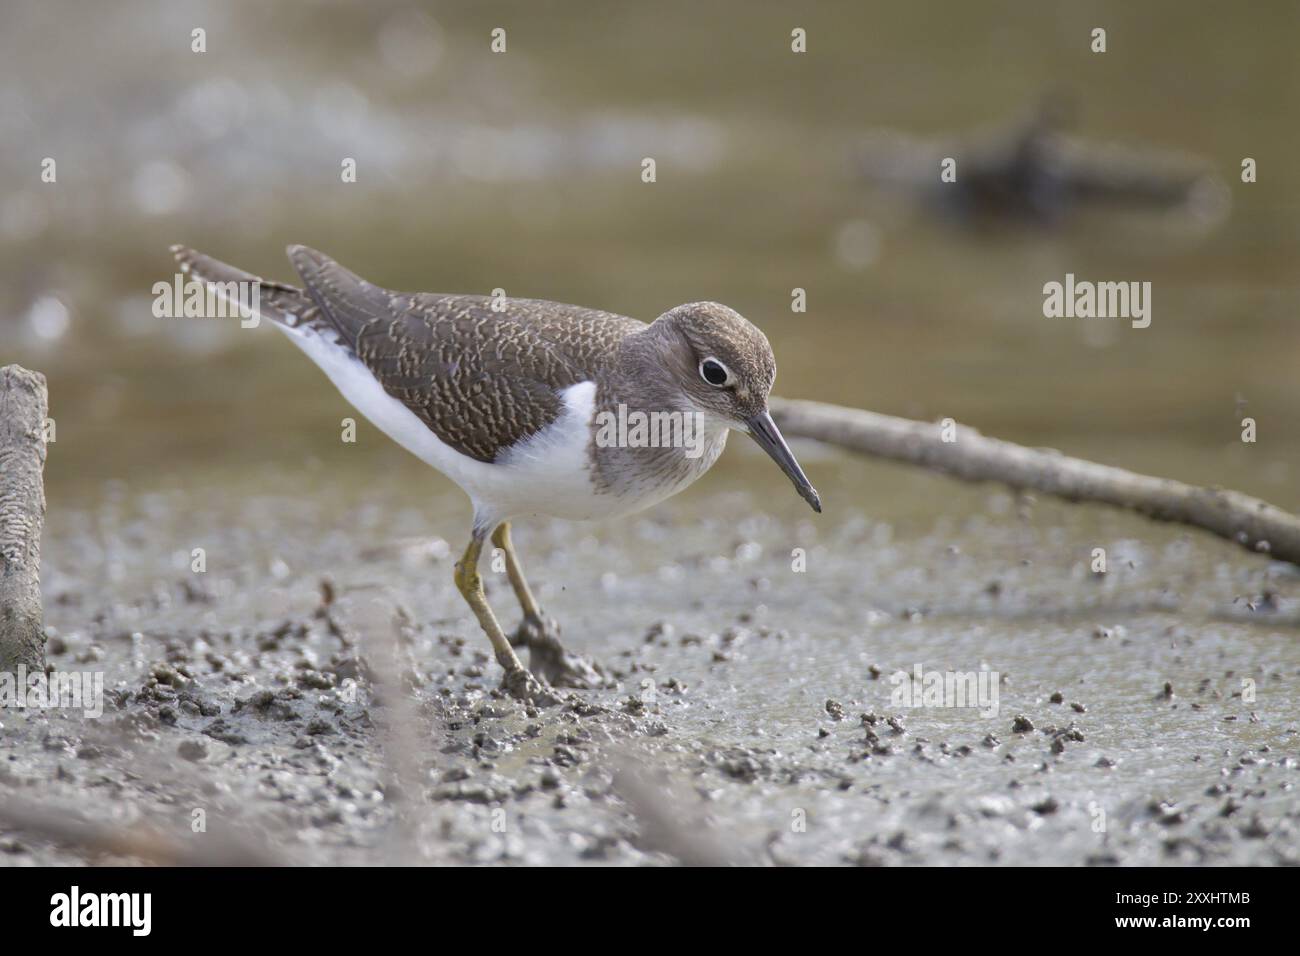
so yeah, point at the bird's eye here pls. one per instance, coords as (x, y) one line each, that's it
(715, 373)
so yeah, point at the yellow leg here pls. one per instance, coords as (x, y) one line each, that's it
(546, 655)
(515, 571)
(518, 682)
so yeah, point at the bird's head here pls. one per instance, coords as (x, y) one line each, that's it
(724, 367)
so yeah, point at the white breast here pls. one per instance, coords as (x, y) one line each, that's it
(546, 474)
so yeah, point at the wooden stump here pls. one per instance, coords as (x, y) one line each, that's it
(23, 408)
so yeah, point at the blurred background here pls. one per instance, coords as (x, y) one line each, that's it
(775, 171)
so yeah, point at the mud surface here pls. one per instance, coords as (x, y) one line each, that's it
(238, 698)
(322, 696)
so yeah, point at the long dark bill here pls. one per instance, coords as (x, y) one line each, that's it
(764, 431)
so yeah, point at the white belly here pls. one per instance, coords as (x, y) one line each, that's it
(546, 474)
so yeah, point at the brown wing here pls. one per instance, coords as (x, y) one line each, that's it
(481, 380)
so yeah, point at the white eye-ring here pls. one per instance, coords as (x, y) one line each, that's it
(715, 373)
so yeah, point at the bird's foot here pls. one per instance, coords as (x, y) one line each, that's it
(562, 667)
(551, 661)
(532, 629)
(521, 685)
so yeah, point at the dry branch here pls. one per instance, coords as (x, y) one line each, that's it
(22, 512)
(69, 829)
(1249, 522)
(663, 819)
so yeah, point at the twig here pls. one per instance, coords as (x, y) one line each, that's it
(69, 830)
(662, 826)
(1251, 523)
(378, 621)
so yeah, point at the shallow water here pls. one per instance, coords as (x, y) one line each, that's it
(522, 172)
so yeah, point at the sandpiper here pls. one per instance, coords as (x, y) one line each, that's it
(511, 399)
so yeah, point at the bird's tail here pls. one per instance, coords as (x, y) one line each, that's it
(285, 305)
